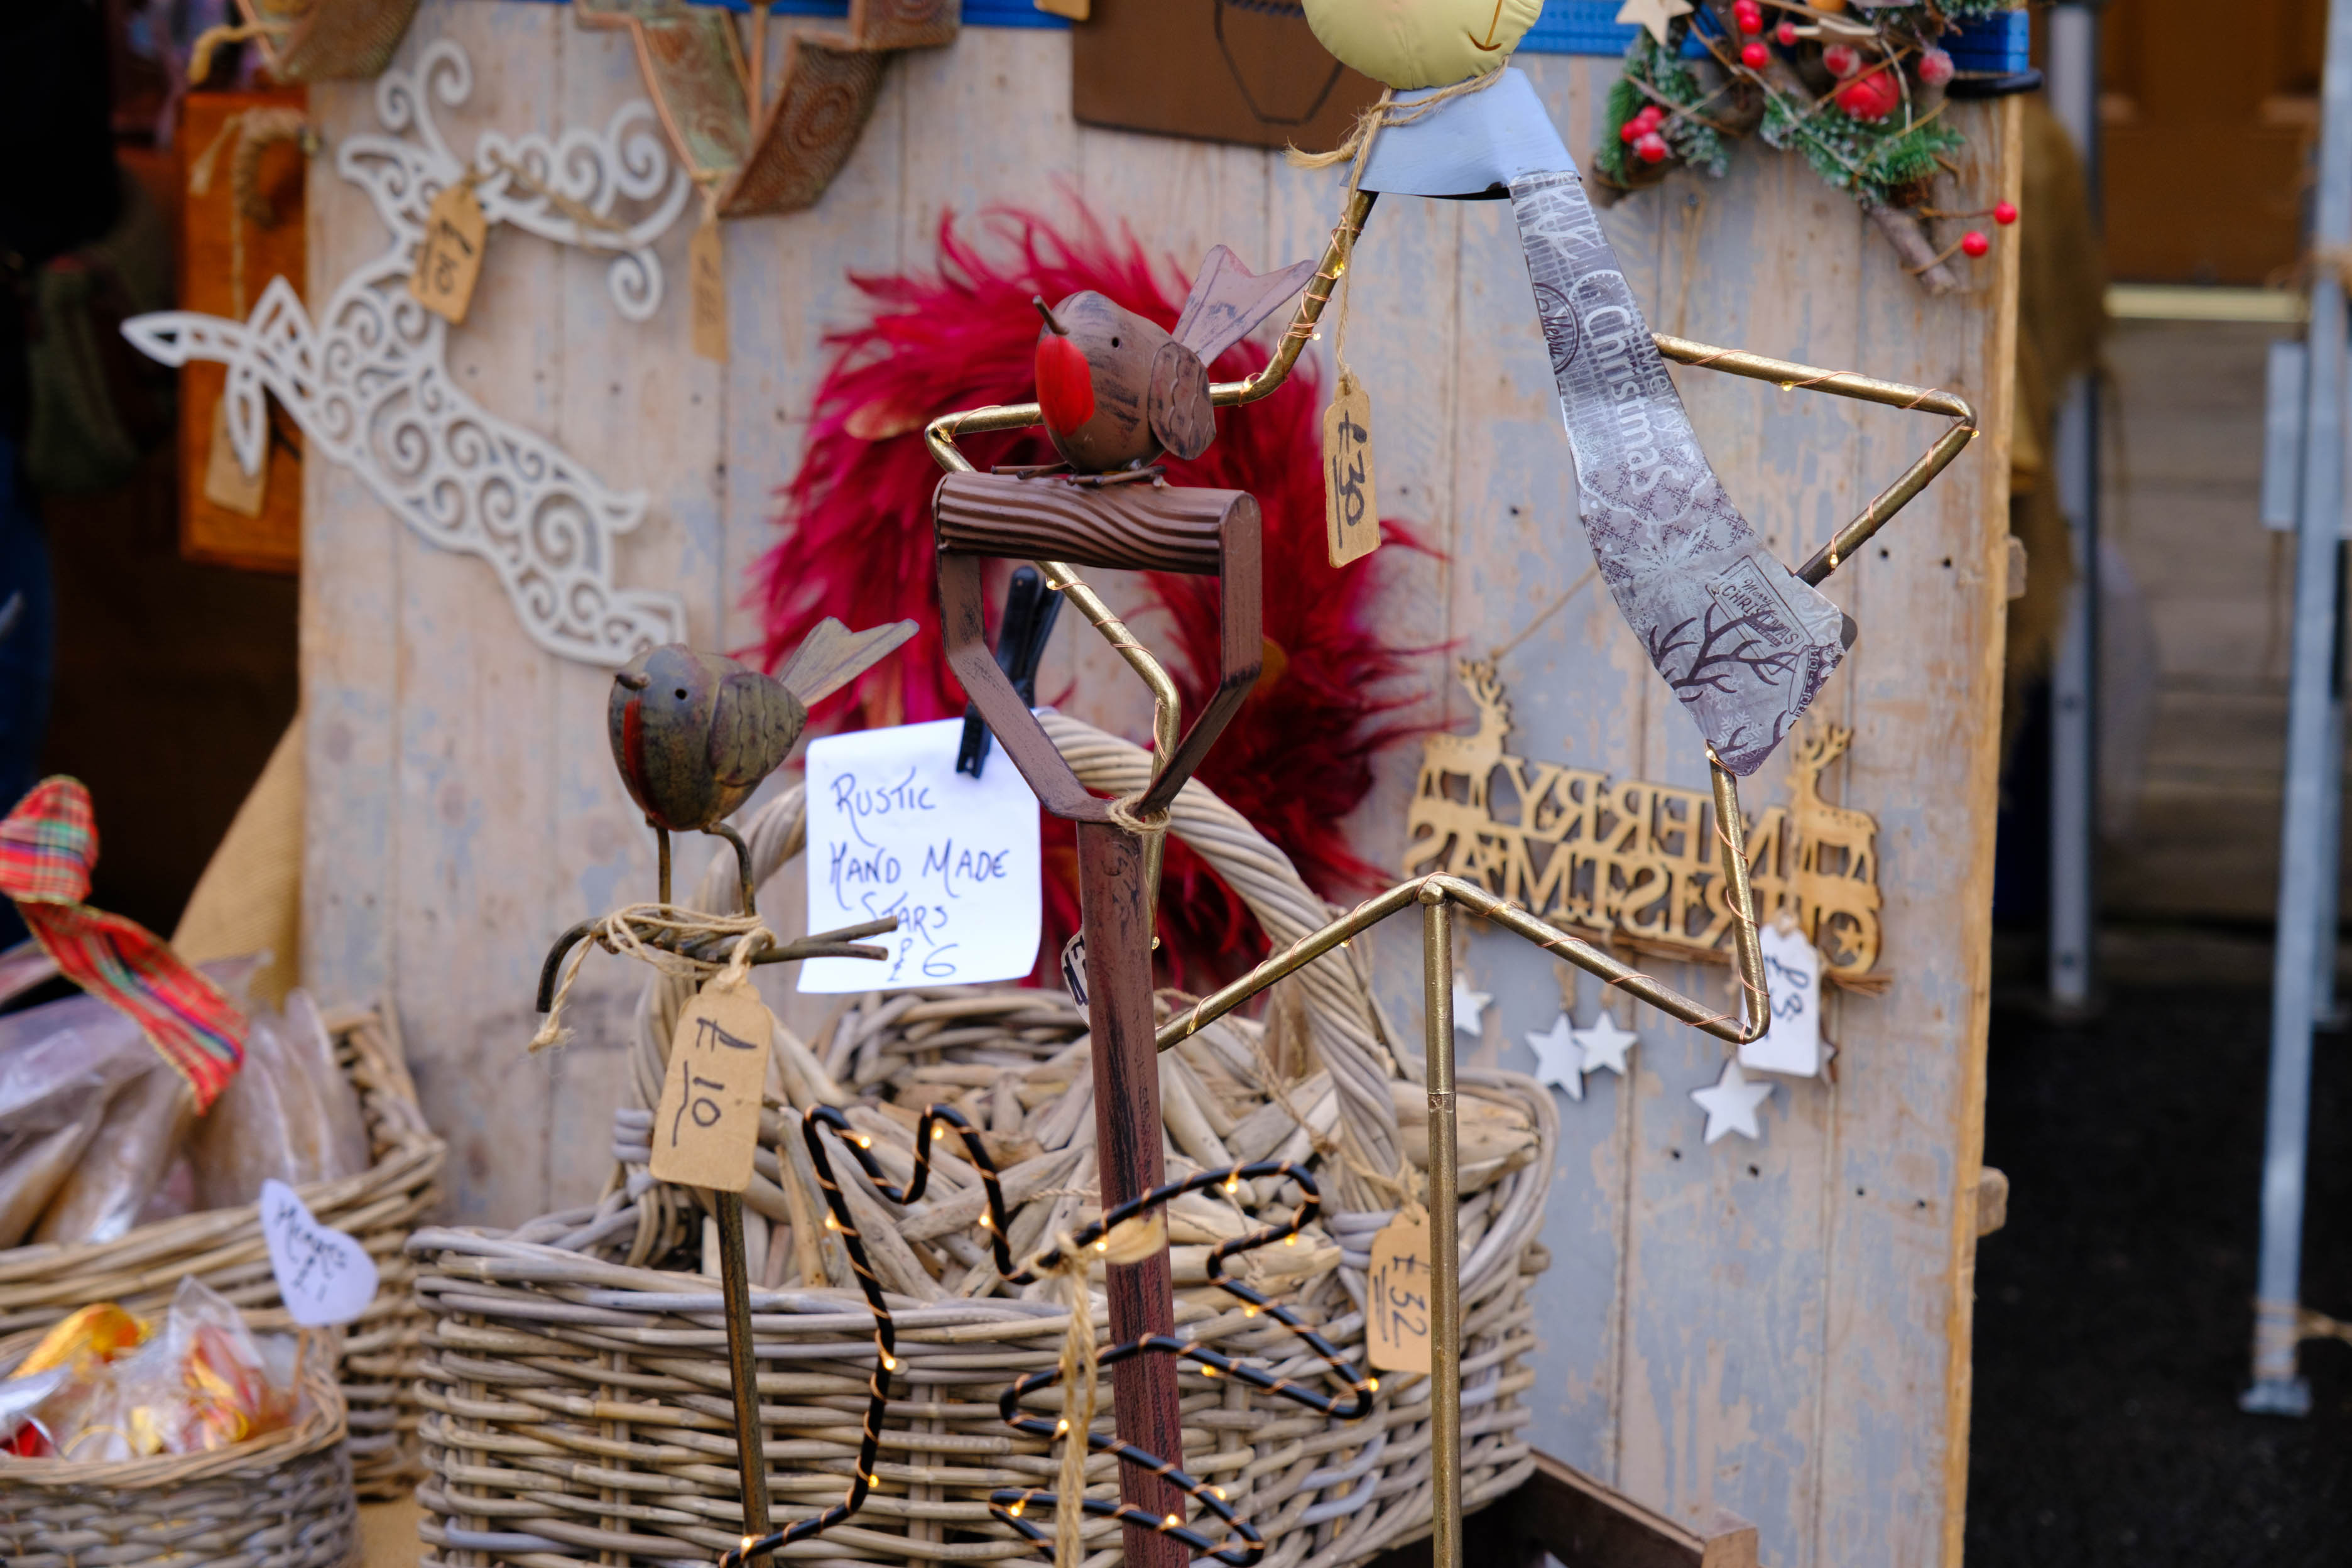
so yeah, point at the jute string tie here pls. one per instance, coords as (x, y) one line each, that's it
(1356, 152)
(256, 130)
(625, 931)
(1130, 1241)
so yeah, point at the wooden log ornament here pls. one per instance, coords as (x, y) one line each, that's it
(752, 152)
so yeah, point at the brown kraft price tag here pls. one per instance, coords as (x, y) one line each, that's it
(705, 269)
(708, 1127)
(1396, 1294)
(226, 484)
(450, 256)
(1351, 512)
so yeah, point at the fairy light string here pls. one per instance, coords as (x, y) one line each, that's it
(1240, 1545)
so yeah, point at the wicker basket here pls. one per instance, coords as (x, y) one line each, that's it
(579, 1402)
(283, 1500)
(39, 1284)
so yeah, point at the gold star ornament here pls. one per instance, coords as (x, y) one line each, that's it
(1655, 15)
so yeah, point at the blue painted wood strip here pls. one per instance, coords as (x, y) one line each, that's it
(1566, 28)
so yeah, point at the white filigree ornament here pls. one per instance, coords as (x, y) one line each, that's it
(371, 387)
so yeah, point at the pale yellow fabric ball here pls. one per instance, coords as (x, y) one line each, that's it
(1422, 43)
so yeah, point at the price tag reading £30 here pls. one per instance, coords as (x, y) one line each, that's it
(707, 1130)
(893, 829)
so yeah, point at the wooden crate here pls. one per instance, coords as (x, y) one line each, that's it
(1780, 1329)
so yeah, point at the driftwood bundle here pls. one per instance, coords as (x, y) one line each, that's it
(1016, 1063)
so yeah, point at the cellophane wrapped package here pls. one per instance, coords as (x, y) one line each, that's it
(104, 1386)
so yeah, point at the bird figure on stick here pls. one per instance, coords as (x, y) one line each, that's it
(694, 733)
(1118, 390)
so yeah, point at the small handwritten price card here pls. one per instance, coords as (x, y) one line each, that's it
(450, 256)
(1351, 512)
(323, 1275)
(895, 830)
(707, 1129)
(1793, 974)
(706, 274)
(1396, 1295)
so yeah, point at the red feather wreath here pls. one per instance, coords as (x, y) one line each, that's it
(858, 544)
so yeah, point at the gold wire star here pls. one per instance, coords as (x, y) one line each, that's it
(1653, 14)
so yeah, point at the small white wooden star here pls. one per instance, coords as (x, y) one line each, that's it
(1469, 1006)
(1560, 1061)
(1730, 1103)
(1653, 14)
(1604, 1045)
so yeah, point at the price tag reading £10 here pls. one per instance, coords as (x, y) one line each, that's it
(893, 829)
(707, 1130)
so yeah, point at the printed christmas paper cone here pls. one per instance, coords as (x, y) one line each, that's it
(1744, 644)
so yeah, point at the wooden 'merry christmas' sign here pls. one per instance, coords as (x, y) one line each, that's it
(1635, 860)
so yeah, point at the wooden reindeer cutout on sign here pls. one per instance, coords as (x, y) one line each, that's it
(1836, 880)
(1474, 757)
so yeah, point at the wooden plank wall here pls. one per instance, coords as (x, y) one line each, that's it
(1778, 1328)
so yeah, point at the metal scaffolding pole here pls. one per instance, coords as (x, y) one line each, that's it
(2073, 79)
(2314, 772)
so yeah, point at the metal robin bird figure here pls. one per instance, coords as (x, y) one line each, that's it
(1118, 390)
(694, 733)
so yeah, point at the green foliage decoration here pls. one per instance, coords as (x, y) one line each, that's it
(1671, 83)
(1871, 161)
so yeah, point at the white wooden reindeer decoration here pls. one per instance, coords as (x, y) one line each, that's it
(371, 387)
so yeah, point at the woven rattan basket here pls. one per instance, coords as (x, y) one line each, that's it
(223, 1247)
(579, 1403)
(283, 1500)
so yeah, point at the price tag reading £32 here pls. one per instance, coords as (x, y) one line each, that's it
(707, 1130)
(1396, 1295)
(893, 829)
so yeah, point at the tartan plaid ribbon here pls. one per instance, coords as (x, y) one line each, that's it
(48, 846)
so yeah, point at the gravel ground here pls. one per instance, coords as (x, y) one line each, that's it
(2114, 1312)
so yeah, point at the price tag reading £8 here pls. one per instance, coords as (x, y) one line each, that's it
(893, 829)
(708, 1127)
(1792, 974)
(1396, 1295)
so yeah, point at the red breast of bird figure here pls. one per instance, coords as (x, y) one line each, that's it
(1118, 391)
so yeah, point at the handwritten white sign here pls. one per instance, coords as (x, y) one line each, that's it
(323, 1275)
(895, 830)
(1793, 974)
